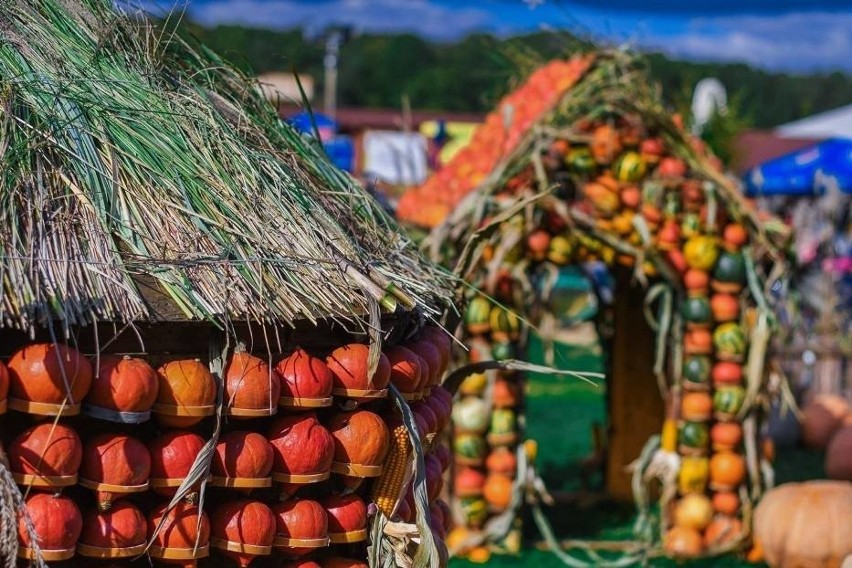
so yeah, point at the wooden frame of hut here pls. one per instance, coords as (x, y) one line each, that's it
(153, 206)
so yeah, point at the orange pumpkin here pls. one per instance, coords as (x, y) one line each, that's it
(502, 461)
(727, 373)
(47, 451)
(311, 563)
(123, 384)
(301, 519)
(498, 491)
(249, 525)
(360, 439)
(683, 542)
(304, 376)
(301, 446)
(504, 394)
(184, 525)
(406, 372)
(696, 282)
(242, 455)
(698, 341)
(347, 518)
(726, 436)
(349, 366)
(172, 456)
(726, 502)
(805, 524)
(252, 388)
(48, 373)
(668, 237)
(693, 511)
(118, 460)
(696, 406)
(727, 471)
(186, 393)
(4, 387)
(725, 307)
(838, 455)
(57, 522)
(670, 167)
(631, 197)
(722, 531)
(734, 236)
(468, 482)
(605, 144)
(123, 527)
(538, 243)
(604, 199)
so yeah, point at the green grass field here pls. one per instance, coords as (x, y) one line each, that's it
(560, 412)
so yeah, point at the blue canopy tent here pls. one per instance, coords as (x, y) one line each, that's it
(339, 148)
(809, 171)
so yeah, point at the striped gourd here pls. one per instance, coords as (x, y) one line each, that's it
(729, 340)
(388, 487)
(629, 167)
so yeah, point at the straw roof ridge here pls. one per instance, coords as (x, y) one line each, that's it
(129, 156)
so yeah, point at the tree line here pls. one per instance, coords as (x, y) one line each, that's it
(472, 73)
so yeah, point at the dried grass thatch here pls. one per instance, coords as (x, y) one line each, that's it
(134, 164)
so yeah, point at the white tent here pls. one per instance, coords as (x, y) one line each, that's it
(835, 123)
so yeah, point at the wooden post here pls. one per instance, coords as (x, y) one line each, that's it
(634, 406)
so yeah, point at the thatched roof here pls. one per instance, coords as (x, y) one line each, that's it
(134, 164)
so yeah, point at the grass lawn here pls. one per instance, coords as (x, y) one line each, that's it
(560, 412)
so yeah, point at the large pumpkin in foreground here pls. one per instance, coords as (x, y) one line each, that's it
(114, 464)
(57, 523)
(252, 388)
(123, 384)
(186, 393)
(44, 375)
(805, 525)
(243, 530)
(50, 452)
(182, 528)
(120, 532)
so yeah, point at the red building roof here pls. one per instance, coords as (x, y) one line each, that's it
(755, 147)
(354, 119)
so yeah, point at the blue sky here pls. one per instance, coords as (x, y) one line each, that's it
(785, 35)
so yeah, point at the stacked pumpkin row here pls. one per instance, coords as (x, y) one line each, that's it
(707, 516)
(298, 454)
(487, 420)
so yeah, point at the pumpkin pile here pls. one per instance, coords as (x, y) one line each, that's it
(306, 445)
(606, 176)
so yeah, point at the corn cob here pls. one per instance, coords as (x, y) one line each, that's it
(387, 489)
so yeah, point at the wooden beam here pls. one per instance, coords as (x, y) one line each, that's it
(634, 406)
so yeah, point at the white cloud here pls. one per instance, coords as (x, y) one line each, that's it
(794, 41)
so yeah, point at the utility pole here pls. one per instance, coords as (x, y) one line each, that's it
(332, 50)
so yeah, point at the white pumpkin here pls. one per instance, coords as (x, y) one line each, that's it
(471, 415)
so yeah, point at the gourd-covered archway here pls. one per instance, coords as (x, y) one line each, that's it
(583, 163)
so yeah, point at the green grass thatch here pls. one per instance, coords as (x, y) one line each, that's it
(130, 158)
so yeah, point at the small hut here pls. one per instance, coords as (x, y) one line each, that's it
(582, 164)
(211, 341)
